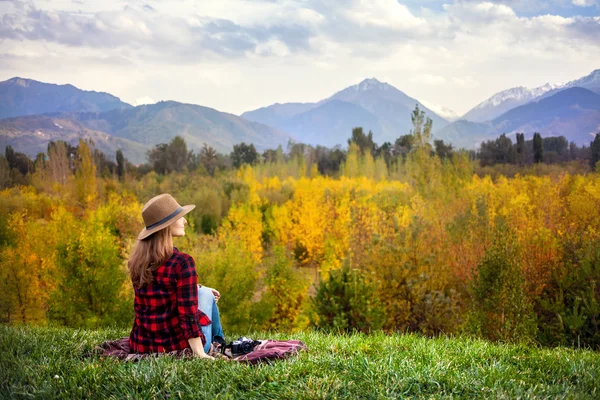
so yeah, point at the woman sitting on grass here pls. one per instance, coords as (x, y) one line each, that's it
(172, 312)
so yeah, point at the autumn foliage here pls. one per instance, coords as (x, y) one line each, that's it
(421, 245)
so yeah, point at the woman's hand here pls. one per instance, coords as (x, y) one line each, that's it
(216, 294)
(198, 348)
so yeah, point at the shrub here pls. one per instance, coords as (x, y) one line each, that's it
(347, 302)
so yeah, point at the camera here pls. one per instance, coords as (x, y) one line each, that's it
(243, 346)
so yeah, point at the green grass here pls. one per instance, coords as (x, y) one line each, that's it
(47, 363)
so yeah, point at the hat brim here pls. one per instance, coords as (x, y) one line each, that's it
(147, 232)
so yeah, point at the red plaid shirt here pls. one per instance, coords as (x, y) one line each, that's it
(166, 311)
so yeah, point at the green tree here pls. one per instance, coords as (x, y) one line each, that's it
(443, 150)
(209, 158)
(364, 142)
(243, 154)
(595, 150)
(520, 149)
(120, 164)
(177, 155)
(538, 148)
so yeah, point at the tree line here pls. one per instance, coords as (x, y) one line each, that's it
(175, 156)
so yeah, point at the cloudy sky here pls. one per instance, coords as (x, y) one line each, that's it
(238, 55)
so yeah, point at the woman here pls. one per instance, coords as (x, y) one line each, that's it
(167, 294)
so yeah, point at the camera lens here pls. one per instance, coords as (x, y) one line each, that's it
(246, 347)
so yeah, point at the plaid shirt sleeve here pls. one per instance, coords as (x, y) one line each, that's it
(190, 318)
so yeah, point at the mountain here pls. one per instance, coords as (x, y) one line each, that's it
(503, 101)
(508, 99)
(277, 113)
(31, 135)
(573, 113)
(20, 97)
(372, 104)
(152, 124)
(335, 118)
(590, 82)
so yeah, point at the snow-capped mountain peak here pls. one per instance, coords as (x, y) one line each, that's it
(520, 93)
(369, 84)
(591, 79)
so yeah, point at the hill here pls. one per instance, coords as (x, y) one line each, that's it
(58, 362)
(20, 97)
(158, 123)
(31, 135)
(377, 106)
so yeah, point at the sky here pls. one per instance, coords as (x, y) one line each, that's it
(239, 55)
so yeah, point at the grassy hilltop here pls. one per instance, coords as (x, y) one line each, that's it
(55, 363)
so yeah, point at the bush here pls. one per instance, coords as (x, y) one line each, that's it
(347, 302)
(500, 309)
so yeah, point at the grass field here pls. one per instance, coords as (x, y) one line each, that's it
(38, 362)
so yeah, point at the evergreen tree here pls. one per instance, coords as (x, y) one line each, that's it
(120, 164)
(538, 148)
(595, 150)
(520, 148)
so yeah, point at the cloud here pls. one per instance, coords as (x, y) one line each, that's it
(143, 100)
(475, 46)
(584, 3)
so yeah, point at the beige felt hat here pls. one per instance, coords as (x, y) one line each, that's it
(160, 212)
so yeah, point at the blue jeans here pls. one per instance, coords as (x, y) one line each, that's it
(208, 305)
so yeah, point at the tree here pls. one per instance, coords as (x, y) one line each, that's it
(158, 159)
(364, 142)
(500, 309)
(404, 145)
(243, 154)
(120, 164)
(538, 148)
(520, 148)
(595, 149)
(85, 176)
(18, 161)
(422, 127)
(209, 158)
(166, 158)
(443, 150)
(177, 155)
(348, 302)
(58, 161)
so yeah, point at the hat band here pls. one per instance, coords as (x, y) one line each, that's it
(165, 219)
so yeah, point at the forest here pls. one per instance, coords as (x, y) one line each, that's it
(501, 243)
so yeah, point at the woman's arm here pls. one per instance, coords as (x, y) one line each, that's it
(187, 306)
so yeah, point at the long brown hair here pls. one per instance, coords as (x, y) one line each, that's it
(148, 255)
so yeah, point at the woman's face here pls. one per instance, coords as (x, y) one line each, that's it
(178, 227)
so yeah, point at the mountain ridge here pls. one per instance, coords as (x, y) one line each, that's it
(387, 111)
(22, 96)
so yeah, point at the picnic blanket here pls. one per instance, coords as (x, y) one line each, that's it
(267, 350)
